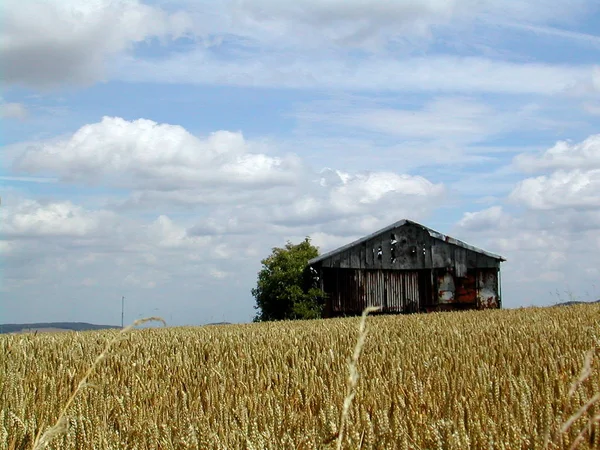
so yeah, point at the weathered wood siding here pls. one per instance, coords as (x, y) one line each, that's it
(406, 269)
(352, 290)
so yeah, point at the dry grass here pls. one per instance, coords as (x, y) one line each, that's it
(491, 380)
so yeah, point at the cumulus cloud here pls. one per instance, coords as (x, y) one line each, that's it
(32, 219)
(13, 111)
(563, 155)
(143, 153)
(369, 189)
(490, 218)
(349, 204)
(562, 189)
(38, 239)
(166, 234)
(573, 181)
(46, 43)
(166, 165)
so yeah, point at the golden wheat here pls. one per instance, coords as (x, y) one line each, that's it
(515, 379)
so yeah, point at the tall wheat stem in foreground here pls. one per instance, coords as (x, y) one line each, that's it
(586, 372)
(353, 373)
(60, 426)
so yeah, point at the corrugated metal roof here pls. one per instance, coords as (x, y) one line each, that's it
(432, 233)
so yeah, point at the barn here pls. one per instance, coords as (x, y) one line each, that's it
(407, 267)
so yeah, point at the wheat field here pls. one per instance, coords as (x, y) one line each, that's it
(511, 379)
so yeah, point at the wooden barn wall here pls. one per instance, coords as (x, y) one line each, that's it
(446, 255)
(409, 247)
(351, 291)
(406, 270)
(403, 248)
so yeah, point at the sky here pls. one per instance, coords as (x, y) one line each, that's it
(159, 150)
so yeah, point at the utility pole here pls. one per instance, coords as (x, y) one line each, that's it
(122, 310)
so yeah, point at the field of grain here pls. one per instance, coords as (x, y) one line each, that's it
(485, 380)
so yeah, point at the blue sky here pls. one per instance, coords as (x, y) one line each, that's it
(159, 150)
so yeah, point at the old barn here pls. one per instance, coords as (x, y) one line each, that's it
(407, 267)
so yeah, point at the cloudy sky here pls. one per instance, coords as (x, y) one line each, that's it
(160, 149)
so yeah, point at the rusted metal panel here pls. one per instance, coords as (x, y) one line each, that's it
(466, 289)
(487, 289)
(446, 290)
(452, 289)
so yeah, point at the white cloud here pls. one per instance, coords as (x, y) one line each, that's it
(89, 282)
(348, 204)
(45, 43)
(563, 155)
(574, 181)
(369, 189)
(164, 233)
(40, 180)
(60, 219)
(420, 74)
(308, 44)
(165, 165)
(584, 38)
(218, 274)
(48, 43)
(347, 23)
(145, 154)
(444, 120)
(441, 118)
(13, 111)
(366, 24)
(493, 217)
(573, 189)
(592, 108)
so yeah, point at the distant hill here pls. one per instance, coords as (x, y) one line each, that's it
(575, 302)
(52, 326)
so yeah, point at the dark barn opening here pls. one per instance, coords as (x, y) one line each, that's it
(406, 268)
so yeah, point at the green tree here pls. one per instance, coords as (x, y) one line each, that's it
(285, 288)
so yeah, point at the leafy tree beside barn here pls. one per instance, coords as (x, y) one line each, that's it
(285, 288)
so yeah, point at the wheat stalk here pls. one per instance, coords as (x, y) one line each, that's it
(60, 426)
